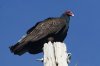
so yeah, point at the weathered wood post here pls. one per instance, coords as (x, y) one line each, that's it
(55, 54)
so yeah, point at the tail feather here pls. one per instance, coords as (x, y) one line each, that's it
(18, 49)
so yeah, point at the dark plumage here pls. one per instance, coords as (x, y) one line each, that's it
(50, 29)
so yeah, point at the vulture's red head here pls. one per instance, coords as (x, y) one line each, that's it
(69, 13)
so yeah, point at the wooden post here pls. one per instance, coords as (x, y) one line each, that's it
(55, 54)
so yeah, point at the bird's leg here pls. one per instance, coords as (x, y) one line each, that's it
(51, 39)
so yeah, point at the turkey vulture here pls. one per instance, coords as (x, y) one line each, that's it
(50, 29)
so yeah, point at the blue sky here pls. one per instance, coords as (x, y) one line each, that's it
(17, 16)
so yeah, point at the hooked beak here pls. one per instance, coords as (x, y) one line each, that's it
(72, 15)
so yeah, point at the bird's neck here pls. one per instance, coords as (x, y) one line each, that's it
(66, 17)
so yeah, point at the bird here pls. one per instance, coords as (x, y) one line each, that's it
(52, 29)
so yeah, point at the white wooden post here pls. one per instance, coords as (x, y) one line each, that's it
(55, 54)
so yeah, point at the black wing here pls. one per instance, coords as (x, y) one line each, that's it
(41, 30)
